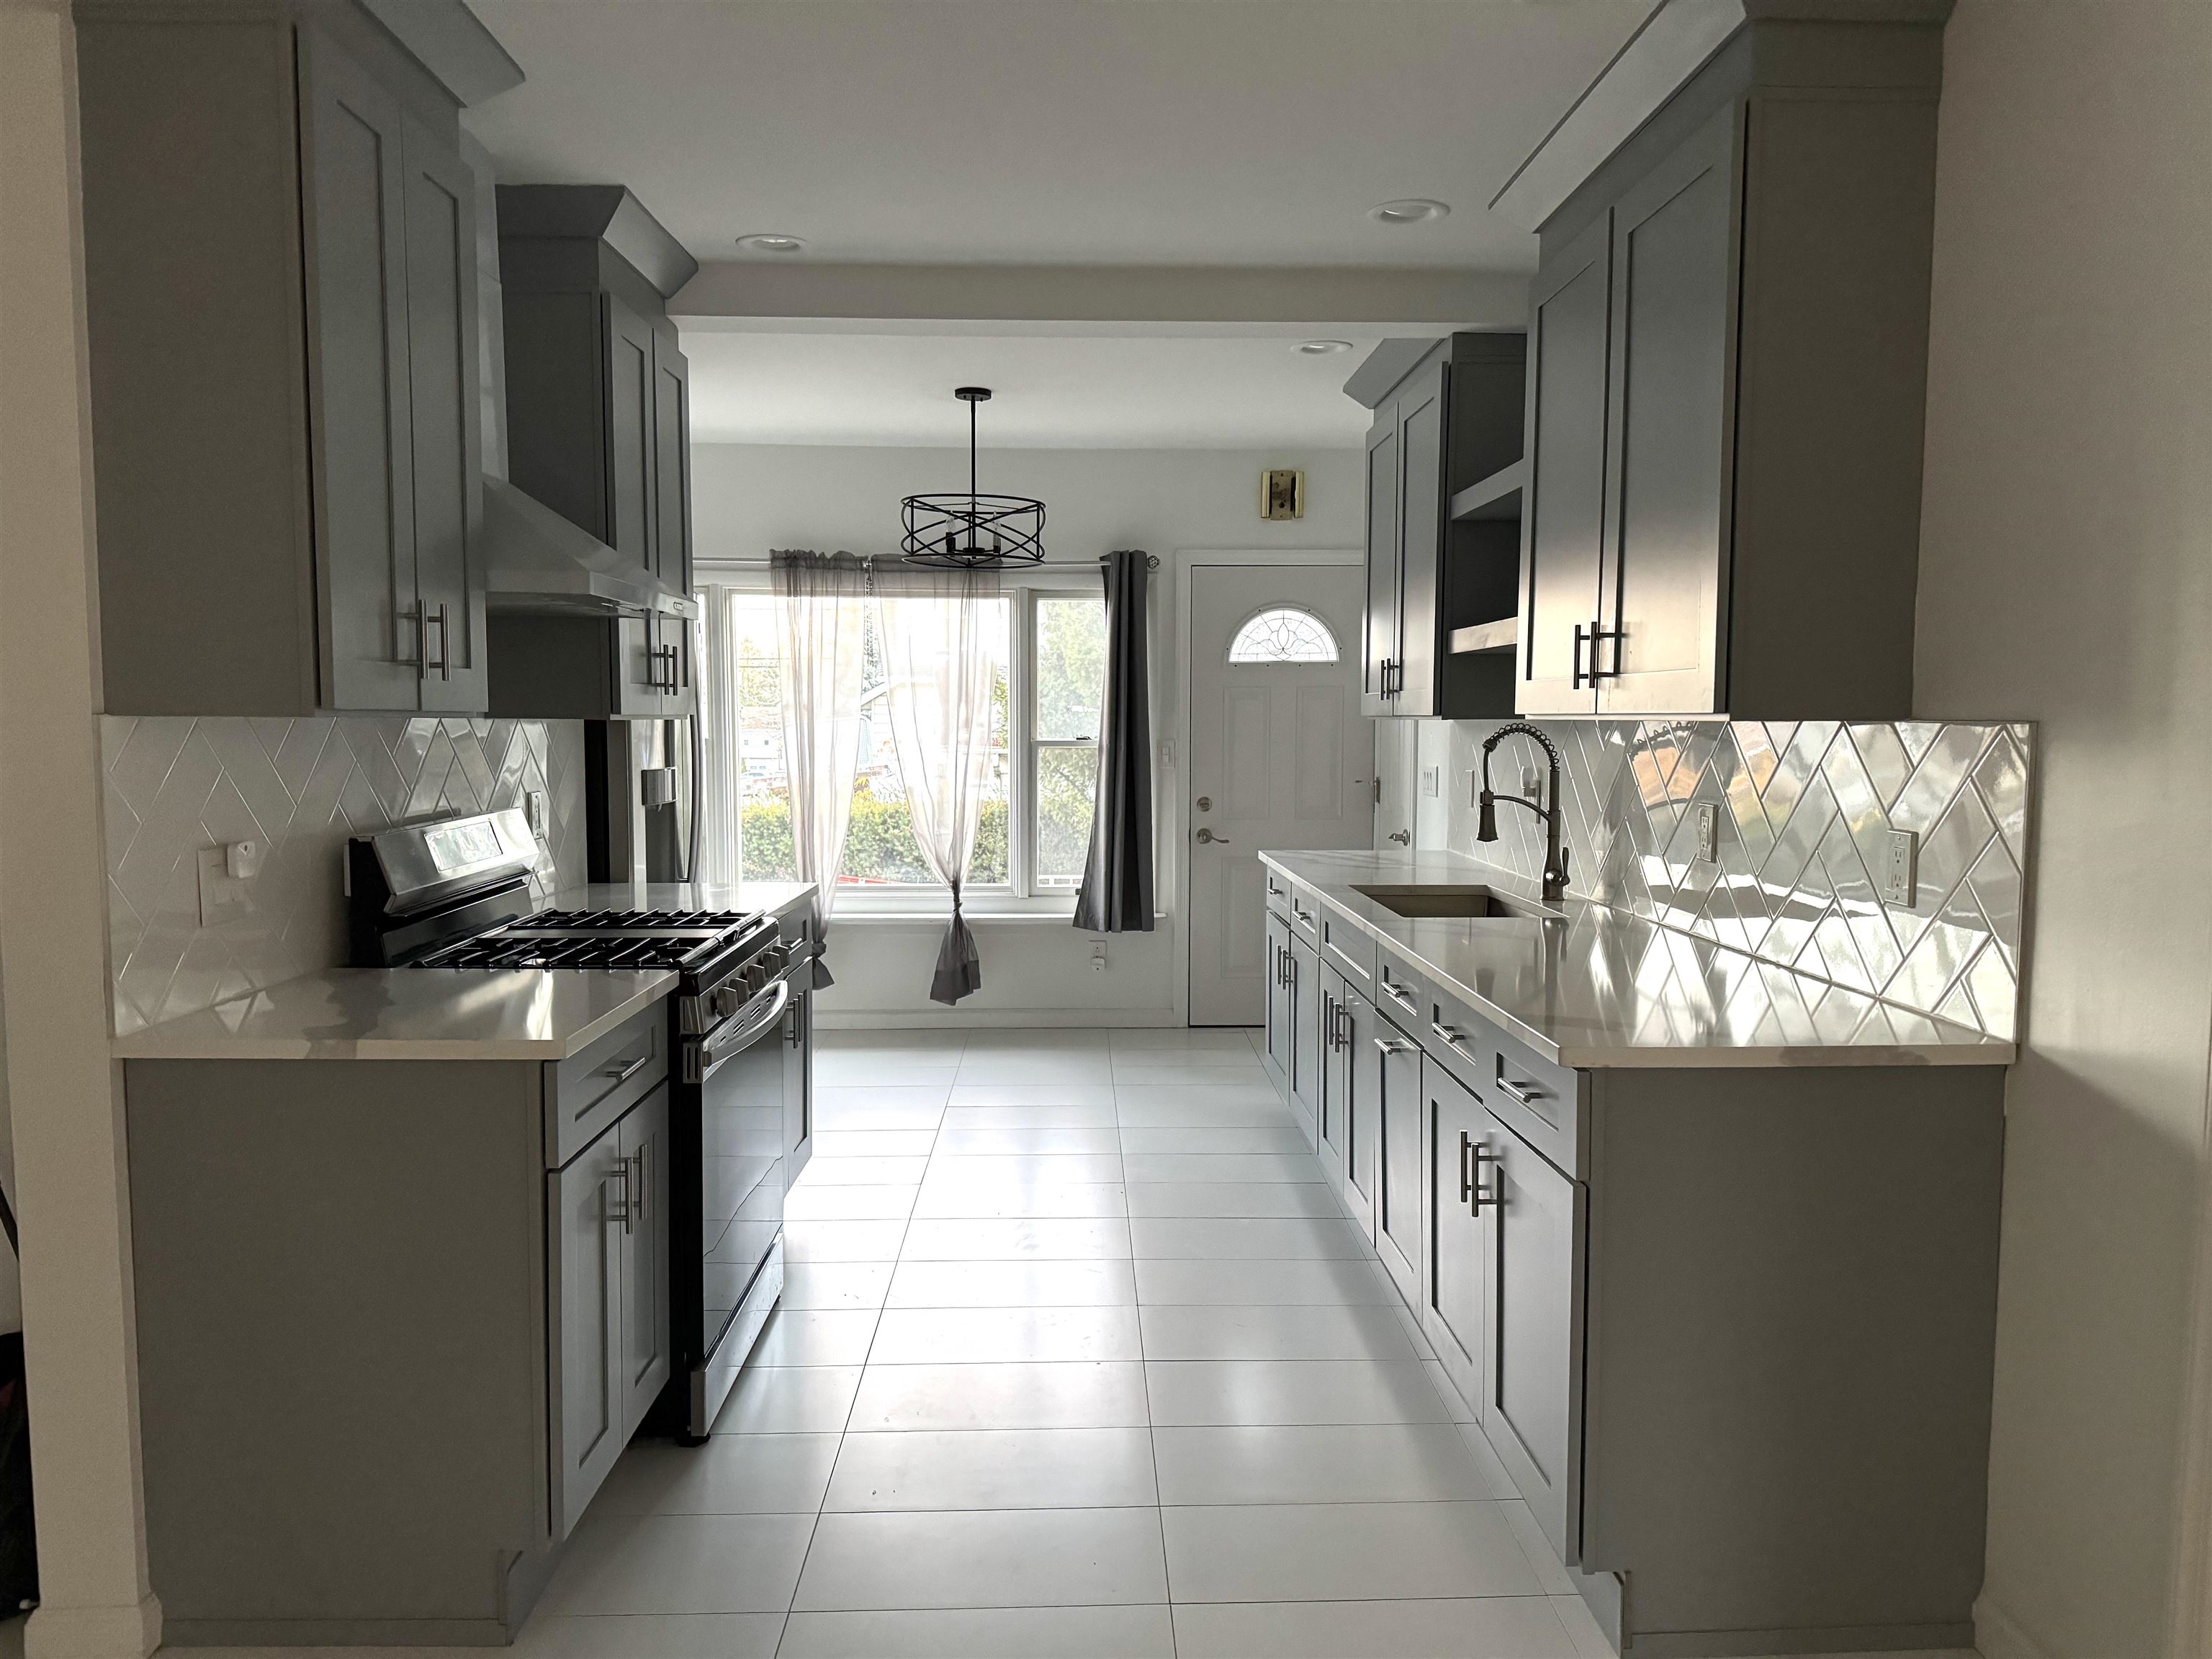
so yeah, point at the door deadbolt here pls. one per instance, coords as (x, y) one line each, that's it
(1206, 803)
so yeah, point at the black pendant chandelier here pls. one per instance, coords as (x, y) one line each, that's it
(973, 532)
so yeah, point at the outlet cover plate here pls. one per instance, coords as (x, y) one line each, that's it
(1432, 781)
(1707, 818)
(222, 897)
(1900, 875)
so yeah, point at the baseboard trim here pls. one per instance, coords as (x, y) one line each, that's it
(907, 1019)
(335, 1633)
(53, 1632)
(1998, 1635)
(1842, 1638)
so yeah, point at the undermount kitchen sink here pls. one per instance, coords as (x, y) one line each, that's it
(1438, 900)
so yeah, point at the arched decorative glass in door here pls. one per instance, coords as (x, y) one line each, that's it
(1283, 633)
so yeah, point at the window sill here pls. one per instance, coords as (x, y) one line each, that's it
(1064, 917)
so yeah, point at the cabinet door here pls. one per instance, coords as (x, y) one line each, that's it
(1362, 1072)
(1563, 511)
(358, 372)
(1452, 1313)
(798, 1083)
(1674, 303)
(1421, 414)
(1306, 1039)
(445, 419)
(1331, 1098)
(1379, 663)
(1398, 1180)
(643, 1134)
(1533, 1267)
(587, 1199)
(672, 461)
(629, 344)
(1278, 1054)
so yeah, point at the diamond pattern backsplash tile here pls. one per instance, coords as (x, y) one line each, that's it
(1804, 812)
(175, 786)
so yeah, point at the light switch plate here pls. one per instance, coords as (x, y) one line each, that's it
(1707, 818)
(1432, 781)
(534, 810)
(1900, 875)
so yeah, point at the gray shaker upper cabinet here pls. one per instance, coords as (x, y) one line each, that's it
(598, 429)
(1728, 357)
(281, 294)
(1440, 562)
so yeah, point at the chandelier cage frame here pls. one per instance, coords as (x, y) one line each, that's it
(975, 531)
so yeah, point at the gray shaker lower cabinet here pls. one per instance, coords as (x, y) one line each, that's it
(1730, 1329)
(1275, 1055)
(1398, 1174)
(1306, 1040)
(392, 1331)
(609, 1259)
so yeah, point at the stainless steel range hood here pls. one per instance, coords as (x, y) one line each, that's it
(537, 561)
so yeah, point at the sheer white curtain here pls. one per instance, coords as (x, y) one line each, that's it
(943, 635)
(823, 604)
(717, 856)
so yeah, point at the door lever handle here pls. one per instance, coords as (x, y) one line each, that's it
(1206, 835)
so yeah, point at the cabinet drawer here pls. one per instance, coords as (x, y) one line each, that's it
(587, 1091)
(1399, 991)
(1541, 1102)
(1349, 949)
(1278, 890)
(1305, 914)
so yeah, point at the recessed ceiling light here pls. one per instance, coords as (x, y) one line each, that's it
(1324, 348)
(770, 242)
(1413, 210)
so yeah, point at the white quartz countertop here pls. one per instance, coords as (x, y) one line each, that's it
(448, 1013)
(409, 1013)
(1602, 989)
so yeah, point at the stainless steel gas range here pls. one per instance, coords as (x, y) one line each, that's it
(455, 893)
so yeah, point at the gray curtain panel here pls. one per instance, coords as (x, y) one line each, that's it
(1117, 895)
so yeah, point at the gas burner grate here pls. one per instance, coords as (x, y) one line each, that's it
(619, 918)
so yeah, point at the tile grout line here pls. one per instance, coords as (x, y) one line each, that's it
(791, 1605)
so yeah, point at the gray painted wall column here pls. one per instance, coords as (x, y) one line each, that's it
(65, 1093)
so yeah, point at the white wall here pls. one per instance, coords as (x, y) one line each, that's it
(2066, 577)
(64, 1096)
(748, 499)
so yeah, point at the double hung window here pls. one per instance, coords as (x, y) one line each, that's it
(1042, 781)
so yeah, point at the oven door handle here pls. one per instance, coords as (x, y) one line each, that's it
(712, 1055)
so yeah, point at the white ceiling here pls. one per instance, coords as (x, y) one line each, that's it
(1208, 132)
(1182, 392)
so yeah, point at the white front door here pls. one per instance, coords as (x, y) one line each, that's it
(1280, 754)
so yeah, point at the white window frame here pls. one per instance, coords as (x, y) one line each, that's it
(1019, 896)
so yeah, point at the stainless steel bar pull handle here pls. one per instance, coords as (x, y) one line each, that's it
(1477, 1197)
(1526, 1094)
(618, 1208)
(1301, 913)
(445, 664)
(1397, 993)
(1456, 1039)
(641, 1185)
(1393, 1046)
(1466, 1168)
(623, 1073)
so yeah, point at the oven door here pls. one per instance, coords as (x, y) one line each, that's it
(740, 1081)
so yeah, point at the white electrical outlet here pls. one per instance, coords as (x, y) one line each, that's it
(533, 809)
(1098, 956)
(1432, 781)
(1900, 875)
(1707, 818)
(1532, 784)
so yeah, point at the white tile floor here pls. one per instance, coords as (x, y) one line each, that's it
(1078, 1355)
